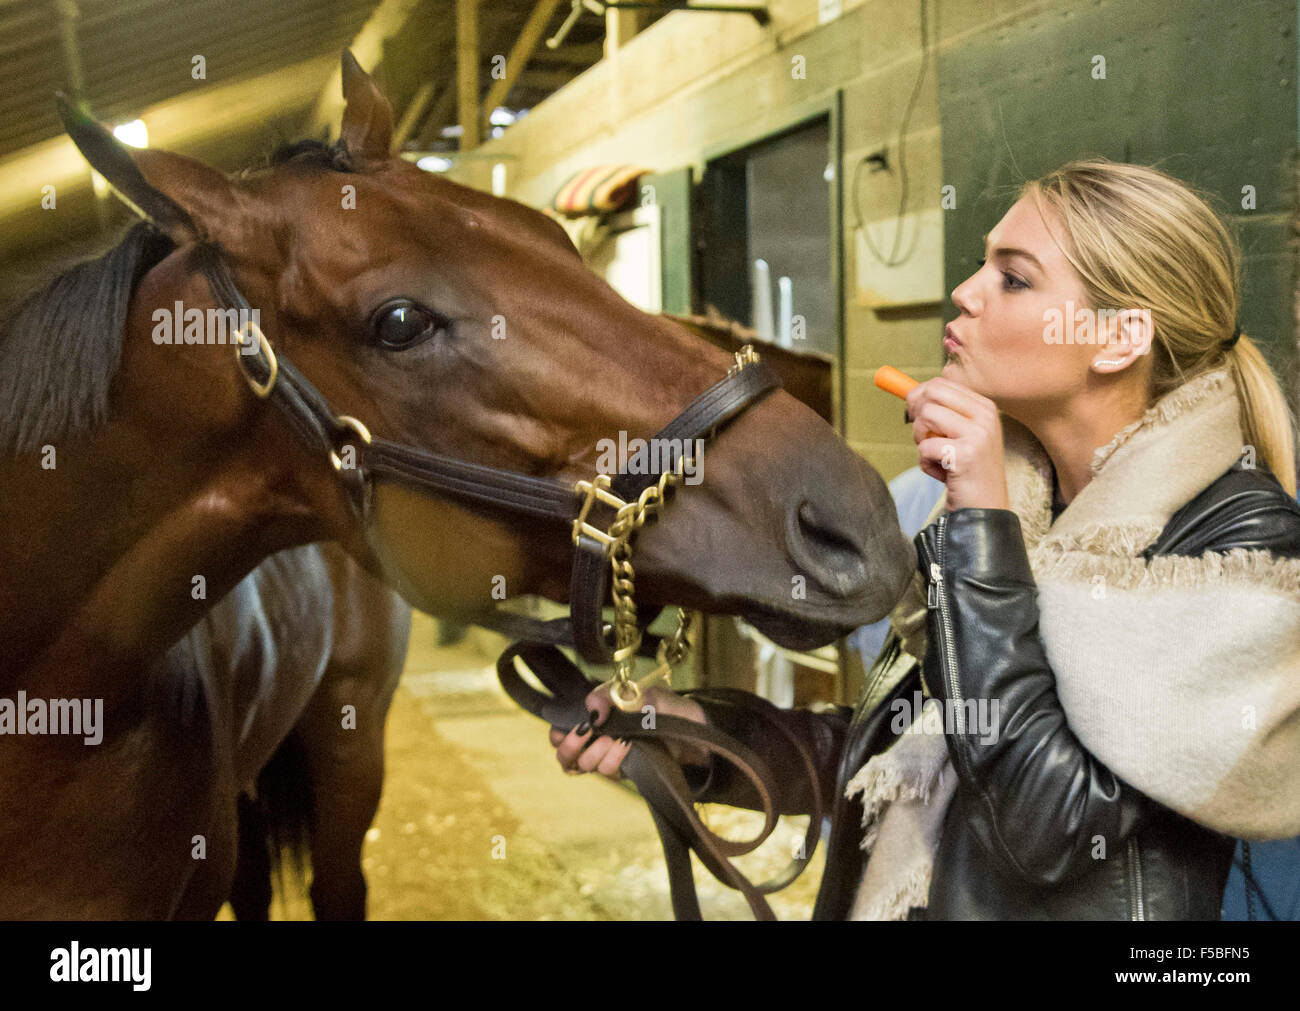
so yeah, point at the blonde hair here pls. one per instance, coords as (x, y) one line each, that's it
(1141, 239)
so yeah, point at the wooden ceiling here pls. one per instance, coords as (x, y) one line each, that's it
(268, 66)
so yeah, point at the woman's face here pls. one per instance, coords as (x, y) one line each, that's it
(1005, 322)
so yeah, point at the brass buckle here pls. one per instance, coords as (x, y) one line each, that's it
(360, 430)
(745, 356)
(242, 335)
(593, 492)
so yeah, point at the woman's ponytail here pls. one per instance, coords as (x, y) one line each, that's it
(1267, 423)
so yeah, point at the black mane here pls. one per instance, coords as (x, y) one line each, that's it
(335, 157)
(62, 343)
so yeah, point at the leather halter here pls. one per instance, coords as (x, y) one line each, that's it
(272, 377)
(658, 777)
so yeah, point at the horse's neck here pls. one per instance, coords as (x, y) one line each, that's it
(109, 558)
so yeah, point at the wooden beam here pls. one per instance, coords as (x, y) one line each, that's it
(411, 114)
(547, 78)
(438, 116)
(522, 51)
(216, 118)
(582, 54)
(467, 55)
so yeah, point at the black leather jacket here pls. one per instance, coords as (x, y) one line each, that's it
(1020, 839)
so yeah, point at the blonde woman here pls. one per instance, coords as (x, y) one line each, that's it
(1106, 619)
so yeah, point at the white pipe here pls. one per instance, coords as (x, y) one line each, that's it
(762, 292)
(786, 289)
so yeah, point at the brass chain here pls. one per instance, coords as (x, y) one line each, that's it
(630, 517)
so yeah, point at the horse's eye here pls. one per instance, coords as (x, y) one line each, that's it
(402, 324)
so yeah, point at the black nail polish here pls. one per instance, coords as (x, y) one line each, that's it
(594, 716)
(907, 416)
(582, 727)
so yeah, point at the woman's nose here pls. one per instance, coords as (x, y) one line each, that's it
(963, 296)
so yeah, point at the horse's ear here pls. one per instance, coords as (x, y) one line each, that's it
(175, 193)
(367, 117)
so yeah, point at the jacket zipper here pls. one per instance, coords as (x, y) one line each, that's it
(937, 597)
(1137, 910)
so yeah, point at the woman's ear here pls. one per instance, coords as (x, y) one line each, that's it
(183, 198)
(1136, 330)
(367, 118)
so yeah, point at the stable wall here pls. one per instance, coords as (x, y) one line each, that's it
(1002, 98)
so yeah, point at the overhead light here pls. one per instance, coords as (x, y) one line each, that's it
(134, 133)
(497, 131)
(451, 131)
(433, 163)
(501, 116)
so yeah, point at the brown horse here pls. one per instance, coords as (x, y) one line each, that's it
(145, 481)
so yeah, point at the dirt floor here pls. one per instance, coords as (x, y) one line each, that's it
(477, 821)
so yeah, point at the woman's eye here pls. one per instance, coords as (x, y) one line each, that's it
(1011, 283)
(403, 324)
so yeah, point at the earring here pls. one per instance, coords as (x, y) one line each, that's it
(1107, 361)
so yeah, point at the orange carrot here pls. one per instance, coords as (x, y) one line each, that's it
(893, 381)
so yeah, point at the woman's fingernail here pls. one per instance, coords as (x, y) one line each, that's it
(907, 416)
(594, 715)
(582, 727)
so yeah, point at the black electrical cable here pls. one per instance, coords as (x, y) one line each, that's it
(893, 260)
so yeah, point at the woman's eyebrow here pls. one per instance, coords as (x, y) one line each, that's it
(1013, 251)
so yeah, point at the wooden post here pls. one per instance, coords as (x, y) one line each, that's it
(438, 116)
(467, 72)
(521, 52)
(411, 115)
(620, 27)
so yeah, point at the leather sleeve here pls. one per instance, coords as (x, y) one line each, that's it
(1038, 800)
(749, 719)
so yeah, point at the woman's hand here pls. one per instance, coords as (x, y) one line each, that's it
(577, 752)
(959, 435)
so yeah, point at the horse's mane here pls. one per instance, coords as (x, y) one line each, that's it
(334, 157)
(61, 344)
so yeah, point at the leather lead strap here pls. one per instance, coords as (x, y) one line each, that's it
(659, 778)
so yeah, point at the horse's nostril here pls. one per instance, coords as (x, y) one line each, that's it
(825, 537)
(827, 552)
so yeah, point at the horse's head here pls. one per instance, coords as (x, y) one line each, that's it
(466, 324)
